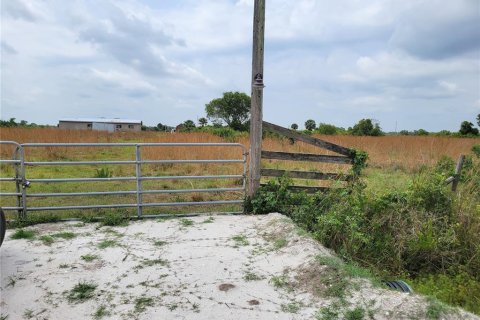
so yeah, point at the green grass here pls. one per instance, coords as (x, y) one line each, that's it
(101, 312)
(291, 307)
(280, 243)
(46, 239)
(185, 222)
(23, 234)
(279, 281)
(64, 235)
(153, 262)
(107, 244)
(89, 257)
(251, 276)
(355, 314)
(240, 240)
(142, 303)
(81, 292)
(159, 243)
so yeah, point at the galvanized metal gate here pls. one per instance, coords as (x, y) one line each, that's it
(22, 182)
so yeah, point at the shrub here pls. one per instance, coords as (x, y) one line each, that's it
(103, 173)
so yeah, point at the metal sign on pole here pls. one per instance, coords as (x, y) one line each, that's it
(257, 96)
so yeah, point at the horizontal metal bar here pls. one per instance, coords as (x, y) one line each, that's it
(192, 190)
(83, 179)
(133, 205)
(10, 179)
(106, 193)
(66, 163)
(10, 161)
(133, 178)
(9, 194)
(193, 177)
(78, 194)
(11, 142)
(11, 208)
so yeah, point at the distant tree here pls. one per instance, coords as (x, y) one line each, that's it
(478, 119)
(202, 122)
(161, 127)
(404, 132)
(467, 128)
(310, 125)
(443, 133)
(365, 127)
(328, 129)
(233, 108)
(188, 125)
(421, 132)
(294, 126)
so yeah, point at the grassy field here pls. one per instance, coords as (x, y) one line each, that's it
(391, 160)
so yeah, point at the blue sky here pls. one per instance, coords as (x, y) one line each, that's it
(411, 64)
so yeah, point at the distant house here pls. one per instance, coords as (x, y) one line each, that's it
(101, 124)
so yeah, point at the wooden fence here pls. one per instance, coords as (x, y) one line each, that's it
(345, 157)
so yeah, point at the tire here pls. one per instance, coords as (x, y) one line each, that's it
(3, 226)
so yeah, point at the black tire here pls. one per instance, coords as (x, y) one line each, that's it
(3, 226)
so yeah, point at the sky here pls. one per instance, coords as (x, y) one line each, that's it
(408, 64)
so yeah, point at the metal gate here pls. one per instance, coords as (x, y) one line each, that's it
(22, 183)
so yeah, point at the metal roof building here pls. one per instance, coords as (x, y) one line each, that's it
(101, 124)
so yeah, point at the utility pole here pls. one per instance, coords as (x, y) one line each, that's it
(256, 113)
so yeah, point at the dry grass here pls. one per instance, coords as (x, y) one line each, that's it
(397, 152)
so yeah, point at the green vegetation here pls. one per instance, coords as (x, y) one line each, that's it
(240, 240)
(233, 108)
(89, 257)
(64, 235)
(142, 303)
(101, 312)
(291, 307)
(107, 243)
(186, 222)
(114, 219)
(23, 234)
(46, 239)
(419, 230)
(279, 281)
(81, 292)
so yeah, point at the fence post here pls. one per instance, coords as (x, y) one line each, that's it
(257, 96)
(458, 172)
(138, 175)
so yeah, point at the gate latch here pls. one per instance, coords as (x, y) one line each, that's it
(25, 184)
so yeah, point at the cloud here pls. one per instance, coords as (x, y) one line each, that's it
(439, 29)
(129, 83)
(17, 9)
(8, 48)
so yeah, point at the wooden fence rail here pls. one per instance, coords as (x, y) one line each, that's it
(345, 157)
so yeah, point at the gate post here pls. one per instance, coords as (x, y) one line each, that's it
(256, 113)
(138, 175)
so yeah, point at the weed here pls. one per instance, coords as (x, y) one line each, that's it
(142, 303)
(89, 257)
(46, 239)
(101, 312)
(113, 232)
(64, 235)
(240, 240)
(107, 243)
(3, 316)
(328, 313)
(186, 222)
(154, 262)
(356, 314)
(209, 220)
(103, 173)
(172, 306)
(279, 281)
(23, 234)
(291, 307)
(159, 243)
(250, 276)
(33, 219)
(63, 266)
(28, 314)
(114, 219)
(82, 291)
(435, 309)
(11, 281)
(280, 243)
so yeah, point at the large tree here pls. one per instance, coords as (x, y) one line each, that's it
(310, 124)
(233, 108)
(366, 127)
(467, 128)
(478, 119)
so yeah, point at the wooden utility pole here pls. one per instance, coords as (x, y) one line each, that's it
(256, 113)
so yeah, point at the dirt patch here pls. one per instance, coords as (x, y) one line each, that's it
(167, 270)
